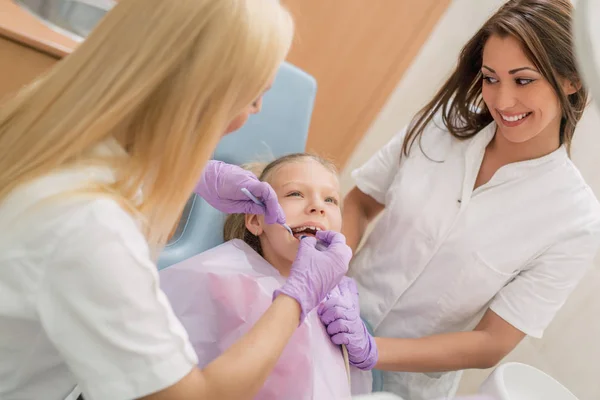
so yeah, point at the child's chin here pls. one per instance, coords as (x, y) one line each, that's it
(293, 251)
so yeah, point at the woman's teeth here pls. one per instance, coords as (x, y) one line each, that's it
(514, 118)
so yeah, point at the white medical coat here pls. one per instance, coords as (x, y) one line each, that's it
(79, 296)
(442, 253)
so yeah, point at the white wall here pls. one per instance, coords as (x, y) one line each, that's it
(570, 349)
(422, 79)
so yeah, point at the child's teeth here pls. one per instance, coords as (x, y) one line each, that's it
(302, 228)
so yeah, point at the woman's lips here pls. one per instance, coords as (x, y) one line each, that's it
(513, 120)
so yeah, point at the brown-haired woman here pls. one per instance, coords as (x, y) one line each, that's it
(487, 225)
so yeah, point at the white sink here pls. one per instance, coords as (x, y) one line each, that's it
(516, 381)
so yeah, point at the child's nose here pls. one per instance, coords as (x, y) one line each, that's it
(317, 207)
(317, 211)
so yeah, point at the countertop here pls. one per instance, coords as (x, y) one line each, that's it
(19, 25)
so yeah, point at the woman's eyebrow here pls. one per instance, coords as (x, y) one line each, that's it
(512, 71)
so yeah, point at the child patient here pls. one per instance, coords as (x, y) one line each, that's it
(219, 294)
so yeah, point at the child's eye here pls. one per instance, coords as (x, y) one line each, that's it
(524, 81)
(294, 194)
(489, 79)
(332, 200)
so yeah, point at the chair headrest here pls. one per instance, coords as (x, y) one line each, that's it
(280, 128)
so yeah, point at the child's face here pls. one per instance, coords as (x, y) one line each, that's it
(309, 194)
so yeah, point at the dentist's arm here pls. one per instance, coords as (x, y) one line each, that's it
(359, 210)
(481, 348)
(240, 372)
(484, 347)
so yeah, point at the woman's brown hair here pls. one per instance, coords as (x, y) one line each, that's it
(543, 27)
(235, 224)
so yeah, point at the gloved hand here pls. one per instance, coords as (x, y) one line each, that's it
(340, 313)
(316, 272)
(221, 184)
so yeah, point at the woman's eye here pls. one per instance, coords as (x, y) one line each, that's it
(524, 81)
(489, 79)
(332, 200)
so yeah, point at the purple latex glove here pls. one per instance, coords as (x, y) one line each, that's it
(340, 313)
(221, 186)
(316, 272)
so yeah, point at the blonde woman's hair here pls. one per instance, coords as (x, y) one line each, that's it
(235, 224)
(162, 77)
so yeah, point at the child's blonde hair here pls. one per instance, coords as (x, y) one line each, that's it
(235, 224)
(162, 77)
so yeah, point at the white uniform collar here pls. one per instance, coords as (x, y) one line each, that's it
(485, 136)
(109, 147)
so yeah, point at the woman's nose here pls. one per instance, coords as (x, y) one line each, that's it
(505, 98)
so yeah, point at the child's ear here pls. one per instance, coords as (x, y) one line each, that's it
(253, 224)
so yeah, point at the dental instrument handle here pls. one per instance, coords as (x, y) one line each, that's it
(252, 197)
(320, 246)
(347, 363)
(260, 203)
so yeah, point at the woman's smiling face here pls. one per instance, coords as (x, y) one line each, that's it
(521, 101)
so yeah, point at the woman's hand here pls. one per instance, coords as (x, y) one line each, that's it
(340, 313)
(221, 186)
(316, 272)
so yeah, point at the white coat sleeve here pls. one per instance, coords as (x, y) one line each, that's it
(532, 299)
(101, 306)
(377, 174)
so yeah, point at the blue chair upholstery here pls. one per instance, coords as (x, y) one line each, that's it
(280, 128)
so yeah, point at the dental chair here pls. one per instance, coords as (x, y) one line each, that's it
(280, 128)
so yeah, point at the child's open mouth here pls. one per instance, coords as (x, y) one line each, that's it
(305, 230)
